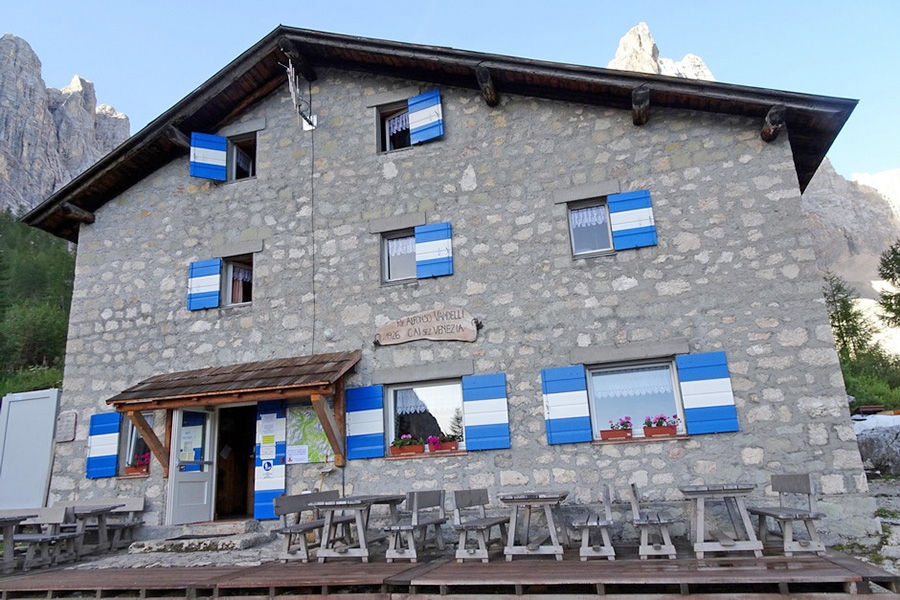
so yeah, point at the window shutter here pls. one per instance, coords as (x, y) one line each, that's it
(425, 118)
(566, 411)
(365, 422)
(631, 218)
(209, 156)
(269, 475)
(103, 445)
(204, 278)
(434, 250)
(485, 412)
(706, 393)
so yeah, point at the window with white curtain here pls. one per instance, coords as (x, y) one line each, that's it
(426, 409)
(589, 228)
(238, 279)
(637, 391)
(399, 256)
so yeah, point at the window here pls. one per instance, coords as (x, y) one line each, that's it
(136, 452)
(637, 391)
(426, 409)
(242, 157)
(409, 122)
(589, 228)
(398, 256)
(238, 284)
(223, 158)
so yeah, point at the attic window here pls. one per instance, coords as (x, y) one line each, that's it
(394, 127)
(223, 158)
(409, 122)
(242, 157)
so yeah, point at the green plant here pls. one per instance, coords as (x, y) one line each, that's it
(623, 423)
(661, 421)
(406, 440)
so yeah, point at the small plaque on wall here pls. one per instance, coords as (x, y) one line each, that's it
(445, 324)
(65, 426)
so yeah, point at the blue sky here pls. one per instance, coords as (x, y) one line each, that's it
(145, 56)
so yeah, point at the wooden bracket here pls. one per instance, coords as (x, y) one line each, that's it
(177, 137)
(156, 447)
(76, 213)
(486, 83)
(332, 430)
(774, 123)
(640, 105)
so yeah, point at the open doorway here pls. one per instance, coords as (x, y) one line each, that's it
(235, 462)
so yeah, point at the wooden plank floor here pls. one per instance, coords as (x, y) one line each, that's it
(835, 575)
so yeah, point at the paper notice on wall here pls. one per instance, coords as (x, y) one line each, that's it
(267, 428)
(297, 454)
(267, 451)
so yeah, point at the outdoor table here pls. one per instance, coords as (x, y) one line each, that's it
(359, 506)
(733, 494)
(530, 501)
(83, 514)
(9, 524)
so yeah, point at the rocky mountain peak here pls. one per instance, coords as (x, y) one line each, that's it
(47, 135)
(638, 52)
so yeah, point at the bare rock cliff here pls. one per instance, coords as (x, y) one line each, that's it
(47, 136)
(638, 52)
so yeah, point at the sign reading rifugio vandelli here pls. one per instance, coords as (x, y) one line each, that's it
(445, 324)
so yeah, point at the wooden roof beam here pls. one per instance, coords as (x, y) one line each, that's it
(297, 59)
(640, 105)
(76, 213)
(774, 123)
(178, 137)
(332, 430)
(486, 83)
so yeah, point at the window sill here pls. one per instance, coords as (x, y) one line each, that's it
(659, 438)
(134, 476)
(242, 179)
(400, 282)
(597, 254)
(395, 151)
(425, 455)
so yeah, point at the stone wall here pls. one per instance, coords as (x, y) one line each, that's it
(734, 270)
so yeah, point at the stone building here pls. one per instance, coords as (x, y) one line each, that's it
(296, 266)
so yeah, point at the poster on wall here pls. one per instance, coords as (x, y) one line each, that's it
(306, 440)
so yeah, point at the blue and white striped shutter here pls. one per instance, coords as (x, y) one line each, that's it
(365, 422)
(426, 121)
(271, 446)
(434, 250)
(103, 445)
(209, 155)
(204, 279)
(485, 412)
(566, 410)
(631, 218)
(706, 393)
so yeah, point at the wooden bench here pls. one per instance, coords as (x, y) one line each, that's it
(121, 522)
(587, 523)
(793, 489)
(45, 544)
(426, 509)
(470, 516)
(298, 528)
(647, 521)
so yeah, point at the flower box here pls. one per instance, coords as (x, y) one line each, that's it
(615, 434)
(409, 449)
(443, 447)
(663, 431)
(141, 470)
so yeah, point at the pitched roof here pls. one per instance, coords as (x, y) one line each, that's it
(813, 121)
(283, 378)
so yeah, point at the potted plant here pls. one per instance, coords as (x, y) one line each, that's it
(443, 443)
(139, 465)
(407, 444)
(618, 430)
(661, 425)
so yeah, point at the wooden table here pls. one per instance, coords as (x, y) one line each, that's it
(744, 538)
(83, 514)
(8, 524)
(359, 506)
(529, 501)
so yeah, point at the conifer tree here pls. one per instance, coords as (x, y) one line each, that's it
(852, 330)
(889, 270)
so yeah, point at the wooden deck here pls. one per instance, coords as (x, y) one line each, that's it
(835, 575)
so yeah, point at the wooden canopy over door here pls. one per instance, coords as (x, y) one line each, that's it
(312, 378)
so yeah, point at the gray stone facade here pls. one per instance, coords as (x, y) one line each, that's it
(734, 270)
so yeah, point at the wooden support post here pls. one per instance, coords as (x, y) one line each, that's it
(168, 439)
(774, 123)
(640, 105)
(76, 213)
(486, 83)
(332, 431)
(140, 423)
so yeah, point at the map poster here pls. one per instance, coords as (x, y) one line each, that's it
(304, 429)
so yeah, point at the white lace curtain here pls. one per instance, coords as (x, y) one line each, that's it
(633, 382)
(241, 273)
(590, 216)
(401, 246)
(408, 402)
(398, 123)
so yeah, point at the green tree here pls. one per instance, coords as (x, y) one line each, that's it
(889, 270)
(852, 330)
